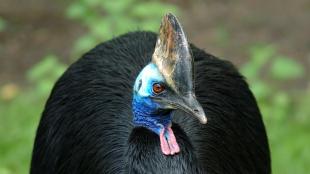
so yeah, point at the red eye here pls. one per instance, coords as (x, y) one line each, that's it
(158, 88)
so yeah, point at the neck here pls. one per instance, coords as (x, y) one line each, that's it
(144, 154)
(146, 116)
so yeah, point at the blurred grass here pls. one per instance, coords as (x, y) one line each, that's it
(285, 111)
(2, 24)
(19, 118)
(20, 112)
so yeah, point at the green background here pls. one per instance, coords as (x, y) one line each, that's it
(276, 69)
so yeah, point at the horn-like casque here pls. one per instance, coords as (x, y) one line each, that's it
(172, 55)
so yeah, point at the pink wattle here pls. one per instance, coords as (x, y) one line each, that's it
(163, 143)
(169, 145)
(174, 147)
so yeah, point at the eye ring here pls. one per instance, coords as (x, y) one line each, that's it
(158, 88)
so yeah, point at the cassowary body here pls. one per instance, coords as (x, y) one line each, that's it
(87, 125)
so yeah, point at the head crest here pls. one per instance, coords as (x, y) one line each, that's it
(172, 55)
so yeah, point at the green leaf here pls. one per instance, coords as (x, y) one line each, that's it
(117, 6)
(76, 10)
(85, 43)
(281, 106)
(153, 10)
(150, 25)
(125, 25)
(44, 74)
(285, 68)
(2, 24)
(91, 3)
(302, 104)
(4, 170)
(101, 29)
(250, 71)
(261, 53)
(45, 86)
(41, 68)
(261, 90)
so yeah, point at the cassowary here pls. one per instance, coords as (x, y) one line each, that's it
(135, 104)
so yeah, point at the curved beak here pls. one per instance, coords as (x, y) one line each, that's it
(190, 105)
(193, 107)
(187, 103)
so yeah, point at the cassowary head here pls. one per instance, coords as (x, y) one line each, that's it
(166, 84)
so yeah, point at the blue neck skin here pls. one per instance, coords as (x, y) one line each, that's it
(146, 114)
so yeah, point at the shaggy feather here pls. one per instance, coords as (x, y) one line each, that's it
(86, 126)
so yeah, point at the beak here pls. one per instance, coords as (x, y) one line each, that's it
(190, 105)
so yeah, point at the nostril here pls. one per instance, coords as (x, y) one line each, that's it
(195, 110)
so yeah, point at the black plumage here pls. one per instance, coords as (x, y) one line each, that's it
(86, 126)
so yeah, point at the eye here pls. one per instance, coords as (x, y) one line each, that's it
(158, 88)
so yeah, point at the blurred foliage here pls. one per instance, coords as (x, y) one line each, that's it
(19, 118)
(105, 19)
(20, 113)
(44, 74)
(2, 24)
(285, 111)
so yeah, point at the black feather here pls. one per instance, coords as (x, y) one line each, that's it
(86, 126)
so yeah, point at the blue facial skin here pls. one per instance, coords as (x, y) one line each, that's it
(147, 113)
